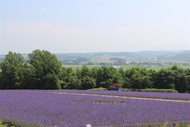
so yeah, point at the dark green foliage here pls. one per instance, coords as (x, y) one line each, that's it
(8, 122)
(107, 75)
(88, 82)
(99, 88)
(181, 76)
(172, 78)
(47, 69)
(138, 78)
(87, 77)
(159, 90)
(85, 71)
(1, 78)
(164, 79)
(69, 79)
(44, 71)
(14, 72)
(93, 72)
(71, 82)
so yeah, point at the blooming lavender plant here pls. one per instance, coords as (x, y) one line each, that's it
(48, 108)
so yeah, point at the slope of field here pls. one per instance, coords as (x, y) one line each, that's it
(61, 109)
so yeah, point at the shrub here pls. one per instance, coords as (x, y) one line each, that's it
(99, 88)
(159, 90)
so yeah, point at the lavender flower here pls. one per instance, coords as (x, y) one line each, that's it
(48, 108)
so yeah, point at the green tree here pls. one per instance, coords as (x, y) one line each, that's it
(117, 78)
(187, 74)
(78, 73)
(88, 82)
(108, 75)
(62, 76)
(71, 82)
(47, 69)
(140, 82)
(103, 77)
(138, 78)
(164, 79)
(1, 78)
(84, 71)
(69, 79)
(93, 72)
(87, 77)
(14, 72)
(122, 72)
(27, 76)
(180, 78)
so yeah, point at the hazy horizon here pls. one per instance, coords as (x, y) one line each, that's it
(172, 51)
(87, 26)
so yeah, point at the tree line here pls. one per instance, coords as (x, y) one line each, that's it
(42, 70)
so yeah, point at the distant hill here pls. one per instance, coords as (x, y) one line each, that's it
(128, 54)
(2, 57)
(151, 54)
(183, 55)
(111, 57)
(142, 55)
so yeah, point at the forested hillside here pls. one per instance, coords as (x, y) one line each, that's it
(43, 70)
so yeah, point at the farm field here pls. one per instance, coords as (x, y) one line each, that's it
(127, 66)
(77, 108)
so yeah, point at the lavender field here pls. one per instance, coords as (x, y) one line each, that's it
(61, 109)
(173, 96)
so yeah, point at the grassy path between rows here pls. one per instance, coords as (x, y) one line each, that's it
(130, 97)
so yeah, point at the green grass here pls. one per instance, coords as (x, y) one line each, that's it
(9, 123)
(78, 66)
(2, 125)
(128, 66)
(159, 90)
(100, 88)
(170, 124)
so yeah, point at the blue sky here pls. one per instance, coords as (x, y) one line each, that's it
(94, 25)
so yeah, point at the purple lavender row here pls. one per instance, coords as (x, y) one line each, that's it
(45, 108)
(177, 96)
